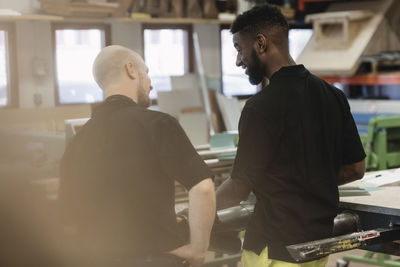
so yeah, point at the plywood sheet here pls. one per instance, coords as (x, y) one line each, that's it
(188, 81)
(195, 126)
(230, 110)
(173, 102)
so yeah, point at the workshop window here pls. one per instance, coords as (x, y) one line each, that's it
(76, 49)
(166, 53)
(234, 81)
(4, 69)
(298, 39)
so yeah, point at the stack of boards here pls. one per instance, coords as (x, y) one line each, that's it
(84, 8)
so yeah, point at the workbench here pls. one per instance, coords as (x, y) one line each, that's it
(381, 209)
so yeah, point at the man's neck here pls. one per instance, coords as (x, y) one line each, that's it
(278, 64)
(119, 91)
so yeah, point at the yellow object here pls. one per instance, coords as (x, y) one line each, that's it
(137, 15)
(250, 259)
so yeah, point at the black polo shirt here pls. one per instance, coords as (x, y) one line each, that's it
(293, 137)
(117, 180)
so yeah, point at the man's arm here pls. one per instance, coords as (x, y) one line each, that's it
(351, 172)
(201, 219)
(231, 192)
(353, 155)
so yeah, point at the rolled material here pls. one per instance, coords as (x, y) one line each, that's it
(225, 232)
(233, 219)
(346, 223)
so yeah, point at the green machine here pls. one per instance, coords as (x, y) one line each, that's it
(382, 147)
(382, 143)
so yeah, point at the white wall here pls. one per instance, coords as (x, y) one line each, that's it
(128, 35)
(35, 63)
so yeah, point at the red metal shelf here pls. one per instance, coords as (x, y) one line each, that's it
(368, 79)
(301, 3)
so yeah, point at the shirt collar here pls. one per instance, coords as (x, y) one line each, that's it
(113, 102)
(120, 99)
(290, 70)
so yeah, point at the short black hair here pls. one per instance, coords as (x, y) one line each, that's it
(259, 19)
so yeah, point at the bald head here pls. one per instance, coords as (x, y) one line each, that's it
(109, 65)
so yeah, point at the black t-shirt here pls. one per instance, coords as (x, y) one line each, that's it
(118, 180)
(293, 137)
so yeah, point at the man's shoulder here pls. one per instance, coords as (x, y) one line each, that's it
(318, 80)
(317, 83)
(148, 115)
(151, 121)
(266, 100)
(259, 98)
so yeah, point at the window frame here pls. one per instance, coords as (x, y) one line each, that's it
(189, 44)
(227, 27)
(12, 88)
(106, 28)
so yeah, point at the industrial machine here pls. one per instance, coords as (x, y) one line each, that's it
(382, 143)
(364, 222)
(370, 222)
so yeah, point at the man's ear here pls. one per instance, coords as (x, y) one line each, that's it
(130, 70)
(261, 43)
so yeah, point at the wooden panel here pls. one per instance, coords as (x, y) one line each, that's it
(351, 15)
(345, 62)
(31, 17)
(89, 9)
(173, 20)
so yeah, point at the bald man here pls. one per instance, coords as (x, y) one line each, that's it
(118, 176)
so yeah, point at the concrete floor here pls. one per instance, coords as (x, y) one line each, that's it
(334, 257)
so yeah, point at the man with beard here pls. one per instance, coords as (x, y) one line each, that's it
(297, 143)
(118, 177)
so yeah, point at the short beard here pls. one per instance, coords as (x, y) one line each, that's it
(143, 100)
(255, 70)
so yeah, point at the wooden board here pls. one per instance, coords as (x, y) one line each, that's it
(173, 102)
(89, 9)
(351, 15)
(31, 17)
(173, 20)
(195, 126)
(230, 110)
(203, 82)
(346, 61)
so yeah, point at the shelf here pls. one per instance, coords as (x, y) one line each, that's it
(85, 20)
(39, 17)
(301, 3)
(392, 78)
(30, 17)
(174, 20)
